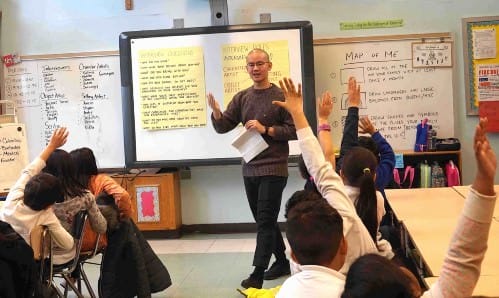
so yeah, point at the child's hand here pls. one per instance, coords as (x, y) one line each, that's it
(293, 98)
(59, 137)
(485, 156)
(353, 93)
(325, 106)
(365, 126)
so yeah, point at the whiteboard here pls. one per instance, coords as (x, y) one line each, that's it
(13, 153)
(80, 92)
(199, 144)
(395, 96)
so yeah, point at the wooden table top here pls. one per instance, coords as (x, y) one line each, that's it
(430, 215)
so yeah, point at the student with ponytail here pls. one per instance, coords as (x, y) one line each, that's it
(358, 172)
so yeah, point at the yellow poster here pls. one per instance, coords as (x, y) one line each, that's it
(234, 74)
(172, 88)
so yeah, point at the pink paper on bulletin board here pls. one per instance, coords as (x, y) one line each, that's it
(490, 109)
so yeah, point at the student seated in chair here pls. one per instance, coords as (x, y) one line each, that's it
(29, 202)
(461, 267)
(315, 235)
(88, 175)
(328, 182)
(76, 198)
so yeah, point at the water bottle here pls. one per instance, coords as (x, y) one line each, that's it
(431, 139)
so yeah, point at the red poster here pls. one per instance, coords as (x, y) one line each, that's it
(490, 109)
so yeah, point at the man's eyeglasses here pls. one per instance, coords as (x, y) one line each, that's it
(259, 64)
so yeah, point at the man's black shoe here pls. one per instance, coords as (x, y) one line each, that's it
(277, 270)
(252, 282)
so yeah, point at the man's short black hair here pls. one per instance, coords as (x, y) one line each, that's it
(41, 191)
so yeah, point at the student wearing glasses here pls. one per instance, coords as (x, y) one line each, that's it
(266, 175)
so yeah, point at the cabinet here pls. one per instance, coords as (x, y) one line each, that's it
(155, 200)
(442, 157)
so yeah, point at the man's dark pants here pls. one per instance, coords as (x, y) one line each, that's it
(264, 195)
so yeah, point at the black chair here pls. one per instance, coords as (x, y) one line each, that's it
(85, 258)
(41, 240)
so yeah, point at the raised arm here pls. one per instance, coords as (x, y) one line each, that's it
(384, 170)
(461, 268)
(325, 106)
(350, 136)
(329, 183)
(59, 138)
(486, 161)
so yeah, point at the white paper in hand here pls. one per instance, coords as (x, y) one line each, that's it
(249, 143)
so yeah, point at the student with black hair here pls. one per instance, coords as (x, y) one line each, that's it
(391, 280)
(324, 108)
(88, 175)
(29, 202)
(328, 182)
(359, 173)
(466, 252)
(315, 235)
(76, 198)
(376, 143)
(461, 267)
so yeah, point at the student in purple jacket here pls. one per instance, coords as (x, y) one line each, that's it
(266, 175)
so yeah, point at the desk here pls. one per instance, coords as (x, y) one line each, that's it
(430, 216)
(463, 189)
(487, 286)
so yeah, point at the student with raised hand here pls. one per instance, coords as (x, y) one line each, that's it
(324, 108)
(76, 198)
(329, 183)
(359, 173)
(461, 268)
(29, 202)
(89, 176)
(315, 235)
(376, 142)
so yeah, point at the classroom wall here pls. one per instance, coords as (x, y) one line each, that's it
(215, 194)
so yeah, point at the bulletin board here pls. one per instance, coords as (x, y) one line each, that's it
(481, 64)
(395, 94)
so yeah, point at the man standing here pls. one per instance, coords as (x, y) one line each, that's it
(266, 175)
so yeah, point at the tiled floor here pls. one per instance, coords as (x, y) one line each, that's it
(203, 265)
